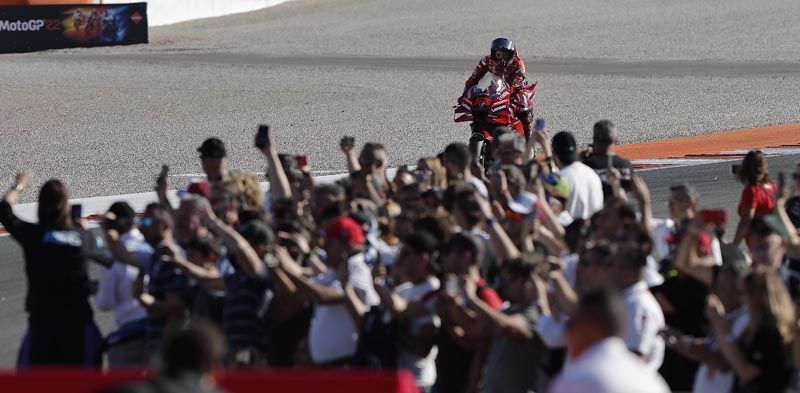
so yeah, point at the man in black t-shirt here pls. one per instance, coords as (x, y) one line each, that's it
(603, 156)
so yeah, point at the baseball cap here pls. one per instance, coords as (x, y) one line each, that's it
(199, 187)
(564, 143)
(212, 148)
(347, 229)
(524, 203)
(123, 210)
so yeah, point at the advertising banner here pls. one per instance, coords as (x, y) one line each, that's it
(31, 28)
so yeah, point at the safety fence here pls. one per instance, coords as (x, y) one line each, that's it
(294, 381)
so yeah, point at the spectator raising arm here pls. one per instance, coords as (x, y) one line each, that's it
(506, 250)
(246, 256)
(115, 246)
(495, 321)
(687, 260)
(15, 226)
(355, 306)
(745, 370)
(304, 286)
(279, 182)
(792, 238)
(348, 148)
(209, 278)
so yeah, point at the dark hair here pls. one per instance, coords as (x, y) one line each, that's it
(422, 242)
(462, 242)
(374, 152)
(125, 215)
(458, 154)
(159, 213)
(602, 308)
(519, 267)
(438, 226)
(204, 245)
(686, 190)
(576, 233)
(630, 256)
(565, 147)
(333, 191)
(754, 169)
(759, 227)
(468, 205)
(454, 192)
(53, 209)
(601, 252)
(196, 348)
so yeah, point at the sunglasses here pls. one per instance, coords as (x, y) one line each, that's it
(146, 221)
(796, 176)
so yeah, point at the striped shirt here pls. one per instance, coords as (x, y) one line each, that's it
(162, 278)
(244, 300)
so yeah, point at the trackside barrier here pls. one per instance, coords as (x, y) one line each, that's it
(31, 28)
(164, 12)
(81, 381)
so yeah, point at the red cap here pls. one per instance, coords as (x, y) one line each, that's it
(201, 188)
(345, 228)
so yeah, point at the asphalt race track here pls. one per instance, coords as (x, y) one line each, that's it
(105, 119)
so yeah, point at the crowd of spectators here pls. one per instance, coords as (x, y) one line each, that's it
(531, 275)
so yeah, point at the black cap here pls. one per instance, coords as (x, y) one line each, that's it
(123, 210)
(257, 233)
(212, 148)
(604, 132)
(125, 215)
(564, 141)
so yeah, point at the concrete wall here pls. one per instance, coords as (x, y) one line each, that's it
(164, 12)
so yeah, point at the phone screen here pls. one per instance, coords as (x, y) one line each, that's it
(77, 212)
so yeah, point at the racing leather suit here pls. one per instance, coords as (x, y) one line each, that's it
(513, 73)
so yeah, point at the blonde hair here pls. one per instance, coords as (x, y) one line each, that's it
(249, 188)
(438, 172)
(770, 300)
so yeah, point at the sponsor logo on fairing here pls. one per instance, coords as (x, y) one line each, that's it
(499, 108)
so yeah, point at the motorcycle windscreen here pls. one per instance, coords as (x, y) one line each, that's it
(493, 84)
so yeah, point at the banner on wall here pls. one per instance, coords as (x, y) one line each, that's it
(32, 28)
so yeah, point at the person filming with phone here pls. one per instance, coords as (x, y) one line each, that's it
(61, 327)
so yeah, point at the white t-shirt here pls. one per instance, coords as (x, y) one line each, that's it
(114, 290)
(608, 367)
(643, 320)
(663, 229)
(708, 380)
(333, 335)
(585, 190)
(479, 185)
(424, 369)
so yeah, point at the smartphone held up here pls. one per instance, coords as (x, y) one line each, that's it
(262, 137)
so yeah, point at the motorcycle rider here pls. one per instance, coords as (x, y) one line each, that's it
(504, 62)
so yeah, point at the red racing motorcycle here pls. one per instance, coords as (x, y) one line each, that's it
(491, 107)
